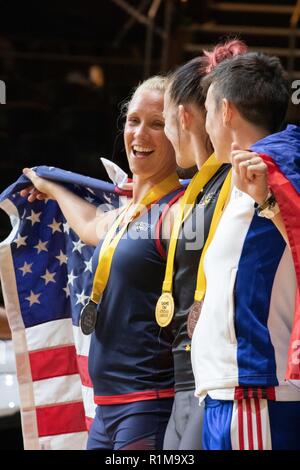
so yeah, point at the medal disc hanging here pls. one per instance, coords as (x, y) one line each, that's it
(88, 318)
(165, 305)
(164, 310)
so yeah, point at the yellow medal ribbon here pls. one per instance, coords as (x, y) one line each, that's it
(112, 239)
(196, 308)
(165, 306)
(221, 202)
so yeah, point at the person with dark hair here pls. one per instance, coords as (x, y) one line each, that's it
(185, 127)
(257, 85)
(240, 345)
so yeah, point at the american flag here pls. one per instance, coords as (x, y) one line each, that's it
(46, 276)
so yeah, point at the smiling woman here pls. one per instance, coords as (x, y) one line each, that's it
(150, 154)
(130, 359)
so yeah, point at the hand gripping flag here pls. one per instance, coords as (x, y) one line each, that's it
(281, 153)
(46, 277)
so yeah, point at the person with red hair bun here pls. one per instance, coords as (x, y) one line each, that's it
(184, 113)
(224, 51)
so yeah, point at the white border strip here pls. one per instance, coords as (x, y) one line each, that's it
(13, 311)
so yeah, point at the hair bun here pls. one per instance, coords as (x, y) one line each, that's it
(224, 51)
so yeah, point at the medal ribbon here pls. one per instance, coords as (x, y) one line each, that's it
(112, 238)
(196, 185)
(221, 202)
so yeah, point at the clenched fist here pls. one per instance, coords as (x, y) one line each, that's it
(250, 173)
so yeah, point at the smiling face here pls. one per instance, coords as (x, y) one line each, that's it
(149, 152)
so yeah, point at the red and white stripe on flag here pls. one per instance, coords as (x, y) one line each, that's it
(57, 408)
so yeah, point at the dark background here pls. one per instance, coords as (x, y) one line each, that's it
(55, 114)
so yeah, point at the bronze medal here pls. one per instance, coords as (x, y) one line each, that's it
(193, 316)
(88, 318)
(164, 309)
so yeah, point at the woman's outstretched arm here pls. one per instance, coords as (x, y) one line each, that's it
(87, 221)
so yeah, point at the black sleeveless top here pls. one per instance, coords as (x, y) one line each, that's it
(130, 356)
(189, 248)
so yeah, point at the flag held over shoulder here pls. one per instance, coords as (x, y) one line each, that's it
(281, 153)
(46, 277)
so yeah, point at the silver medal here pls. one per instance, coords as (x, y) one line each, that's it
(88, 318)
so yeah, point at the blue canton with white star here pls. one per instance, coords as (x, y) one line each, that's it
(52, 265)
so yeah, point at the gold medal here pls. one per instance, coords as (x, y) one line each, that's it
(193, 317)
(164, 309)
(165, 306)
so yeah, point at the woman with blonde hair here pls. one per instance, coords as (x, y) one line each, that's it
(130, 358)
